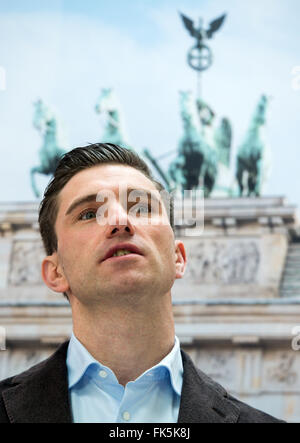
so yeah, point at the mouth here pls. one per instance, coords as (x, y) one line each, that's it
(122, 251)
(122, 258)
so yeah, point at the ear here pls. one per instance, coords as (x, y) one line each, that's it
(53, 275)
(180, 258)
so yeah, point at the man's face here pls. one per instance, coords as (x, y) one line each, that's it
(84, 240)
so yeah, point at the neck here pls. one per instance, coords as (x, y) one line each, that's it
(129, 340)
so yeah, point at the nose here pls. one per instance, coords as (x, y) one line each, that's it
(119, 223)
(119, 230)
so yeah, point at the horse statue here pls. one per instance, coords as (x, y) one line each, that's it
(223, 140)
(203, 157)
(50, 153)
(220, 139)
(253, 157)
(196, 164)
(207, 117)
(109, 105)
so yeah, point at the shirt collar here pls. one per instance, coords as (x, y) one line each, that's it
(79, 360)
(173, 363)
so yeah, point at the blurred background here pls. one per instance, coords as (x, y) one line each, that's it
(65, 52)
(237, 310)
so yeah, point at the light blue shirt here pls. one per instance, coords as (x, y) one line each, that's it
(97, 397)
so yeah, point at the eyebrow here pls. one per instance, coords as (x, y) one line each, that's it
(92, 197)
(80, 201)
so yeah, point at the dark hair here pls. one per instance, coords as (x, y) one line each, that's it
(70, 164)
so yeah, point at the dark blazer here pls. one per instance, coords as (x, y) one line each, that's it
(40, 395)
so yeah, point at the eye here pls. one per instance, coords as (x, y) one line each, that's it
(85, 215)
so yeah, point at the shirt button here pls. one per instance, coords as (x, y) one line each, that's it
(126, 415)
(103, 374)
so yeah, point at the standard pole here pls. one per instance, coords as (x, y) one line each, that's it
(199, 85)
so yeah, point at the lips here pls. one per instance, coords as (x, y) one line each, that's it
(128, 246)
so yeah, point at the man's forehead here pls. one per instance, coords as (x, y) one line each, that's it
(98, 178)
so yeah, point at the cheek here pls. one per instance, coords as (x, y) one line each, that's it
(66, 244)
(71, 249)
(77, 240)
(164, 240)
(79, 248)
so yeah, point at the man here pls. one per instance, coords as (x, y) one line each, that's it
(106, 228)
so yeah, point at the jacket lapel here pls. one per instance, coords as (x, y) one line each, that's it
(40, 395)
(202, 399)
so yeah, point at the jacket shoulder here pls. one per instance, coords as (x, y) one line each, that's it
(212, 403)
(249, 414)
(28, 373)
(4, 384)
(34, 381)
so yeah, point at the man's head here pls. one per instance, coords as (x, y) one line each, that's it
(77, 246)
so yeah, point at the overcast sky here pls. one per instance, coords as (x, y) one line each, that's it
(66, 51)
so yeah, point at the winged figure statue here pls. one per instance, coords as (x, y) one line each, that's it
(201, 33)
(200, 56)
